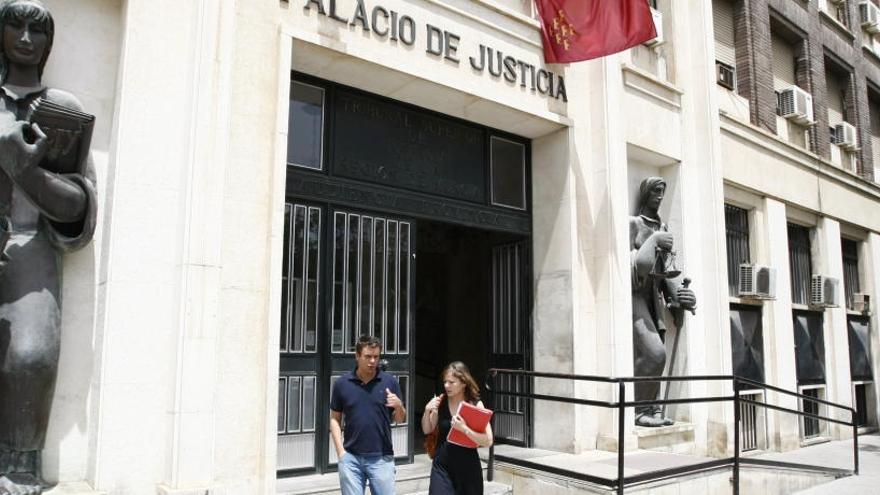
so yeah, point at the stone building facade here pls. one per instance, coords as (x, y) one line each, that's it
(237, 140)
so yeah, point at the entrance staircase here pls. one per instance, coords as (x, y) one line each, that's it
(412, 479)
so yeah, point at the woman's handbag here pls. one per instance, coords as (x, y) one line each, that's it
(431, 441)
(431, 438)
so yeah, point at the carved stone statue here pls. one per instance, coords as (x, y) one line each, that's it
(42, 215)
(654, 290)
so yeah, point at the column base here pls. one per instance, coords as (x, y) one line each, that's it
(75, 488)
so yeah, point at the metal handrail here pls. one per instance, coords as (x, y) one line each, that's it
(621, 404)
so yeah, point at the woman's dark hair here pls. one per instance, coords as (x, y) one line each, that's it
(461, 371)
(21, 11)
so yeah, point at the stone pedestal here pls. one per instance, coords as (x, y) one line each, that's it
(675, 439)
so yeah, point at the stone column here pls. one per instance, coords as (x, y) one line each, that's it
(870, 265)
(577, 275)
(185, 274)
(605, 216)
(779, 340)
(828, 261)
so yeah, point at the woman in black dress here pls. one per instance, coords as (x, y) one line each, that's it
(456, 470)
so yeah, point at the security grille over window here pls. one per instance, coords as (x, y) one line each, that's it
(753, 429)
(726, 75)
(736, 225)
(870, 17)
(299, 279)
(796, 105)
(845, 136)
(823, 291)
(296, 421)
(371, 274)
(799, 263)
(811, 427)
(509, 325)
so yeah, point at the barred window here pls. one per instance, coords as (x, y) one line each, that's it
(850, 251)
(736, 222)
(800, 263)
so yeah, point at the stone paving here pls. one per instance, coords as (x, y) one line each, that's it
(838, 454)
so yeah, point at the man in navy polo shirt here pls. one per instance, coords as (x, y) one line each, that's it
(368, 398)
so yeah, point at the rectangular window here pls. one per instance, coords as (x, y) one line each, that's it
(850, 253)
(861, 403)
(859, 336)
(736, 223)
(508, 163)
(725, 41)
(874, 115)
(800, 263)
(753, 429)
(282, 403)
(811, 427)
(747, 342)
(305, 133)
(809, 347)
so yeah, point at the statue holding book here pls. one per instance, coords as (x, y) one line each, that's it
(655, 290)
(47, 208)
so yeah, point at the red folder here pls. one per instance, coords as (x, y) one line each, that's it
(476, 418)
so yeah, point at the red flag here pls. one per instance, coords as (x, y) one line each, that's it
(575, 30)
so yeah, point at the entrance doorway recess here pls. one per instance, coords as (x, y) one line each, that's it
(410, 226)
(471, 306)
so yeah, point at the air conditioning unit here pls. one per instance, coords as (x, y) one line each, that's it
(862, 303)
(823, 291)
(870, 16)
(845, 136)
(658, 25)
(796, 105)
(725, 75)
(756, 282)
(835, 2)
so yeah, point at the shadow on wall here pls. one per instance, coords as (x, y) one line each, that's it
(85, 59)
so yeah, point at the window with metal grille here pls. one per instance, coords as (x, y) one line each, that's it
(800, 263)
(736, 222)
(753, 431)
(299, 279)
(371, 282)
(850, 252)
(811, 427)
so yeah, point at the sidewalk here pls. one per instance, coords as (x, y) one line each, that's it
(839, 454)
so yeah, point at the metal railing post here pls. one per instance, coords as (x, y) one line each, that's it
(490, 389)
(621, 442)
(855, 443)
(736, 431)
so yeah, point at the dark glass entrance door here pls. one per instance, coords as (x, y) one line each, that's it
(358, 267)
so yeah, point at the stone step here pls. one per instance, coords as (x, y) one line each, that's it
(489, 488)
(404, 487)
(411, 479)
